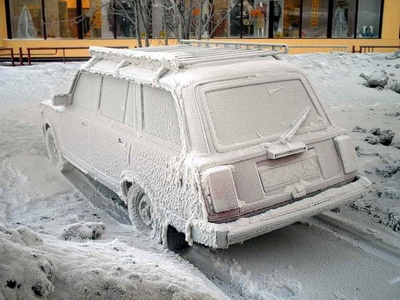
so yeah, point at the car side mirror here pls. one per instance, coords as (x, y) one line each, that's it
(61, 100)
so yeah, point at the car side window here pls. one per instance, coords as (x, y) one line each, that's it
(159, 114)
(87, 92)
(131, 105)
(113, 98)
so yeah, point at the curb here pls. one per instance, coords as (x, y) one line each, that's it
(379, 238)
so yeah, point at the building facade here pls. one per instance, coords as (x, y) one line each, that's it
(47, 23)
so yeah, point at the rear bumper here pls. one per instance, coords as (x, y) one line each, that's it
(225, 234)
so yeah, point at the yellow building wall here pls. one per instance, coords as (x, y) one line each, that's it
(391, 21)
(390, 37)
(3, 28)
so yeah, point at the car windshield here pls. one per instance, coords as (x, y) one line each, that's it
(249, 113)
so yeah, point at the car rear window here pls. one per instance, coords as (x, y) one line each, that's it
(248, 113)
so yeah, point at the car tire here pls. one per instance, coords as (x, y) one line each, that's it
(54, 153)
(176, 240)
(140, 209)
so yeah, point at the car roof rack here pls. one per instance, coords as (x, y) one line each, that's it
(188, 52)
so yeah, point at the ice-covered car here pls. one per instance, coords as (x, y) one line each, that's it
(206, 142)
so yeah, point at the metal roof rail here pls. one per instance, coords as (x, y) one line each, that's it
(275, 47)
(166, 60)
(189, 52)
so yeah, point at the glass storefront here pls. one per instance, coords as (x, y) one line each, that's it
(30, 19)
(315, 19)
(344, 16)
(291, 19)
(96, 22)
(60, 19)
(368, 21)
(26, 19)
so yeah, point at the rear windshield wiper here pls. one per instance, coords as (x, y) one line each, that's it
(288, 134)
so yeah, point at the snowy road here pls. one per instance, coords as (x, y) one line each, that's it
(301, 261)
(308, 260)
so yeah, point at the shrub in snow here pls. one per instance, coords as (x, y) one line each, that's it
(371, 140)
(389, 170)
(359, 129)
(89, 230)
(395, 55)
(384, 137)
(389, 193)
(375, 131)
(396, 87)
(22, 235)
(376, 79)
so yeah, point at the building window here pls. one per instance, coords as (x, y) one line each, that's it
(344, 18)
(30, 19)
(291, 19)
(96, 22)
(26, 19)
(125, 19)
(315, 19)
(368, 21)
(220, 19)
(61, 19)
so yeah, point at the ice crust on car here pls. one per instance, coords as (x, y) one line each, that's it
(231, 133)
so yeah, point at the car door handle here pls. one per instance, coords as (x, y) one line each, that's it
(122, 142)
(84, 123)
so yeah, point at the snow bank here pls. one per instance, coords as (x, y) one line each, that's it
(31, 268)
(336, 77)
(25, 272)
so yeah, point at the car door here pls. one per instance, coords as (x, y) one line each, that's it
(110, 139)
(85, 99)
(159, 144)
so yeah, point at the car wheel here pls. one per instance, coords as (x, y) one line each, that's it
(54, 154)
(140, 209)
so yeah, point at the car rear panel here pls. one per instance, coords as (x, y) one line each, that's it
(261, 183)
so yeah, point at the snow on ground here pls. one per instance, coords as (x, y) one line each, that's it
(55, 244)
(336, 78)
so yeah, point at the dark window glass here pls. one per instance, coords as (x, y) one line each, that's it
(344, 14)
(368, 22)
(125, 19)
(315, 19)
(223, 16)
(61, 19)
(255, 18)
(26, 19)
(97, 21)
(234, 19)
(291, 19)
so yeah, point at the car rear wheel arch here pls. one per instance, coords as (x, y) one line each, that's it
(142, 214)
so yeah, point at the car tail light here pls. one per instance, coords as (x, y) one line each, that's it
(347, 153)
(220, 188)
